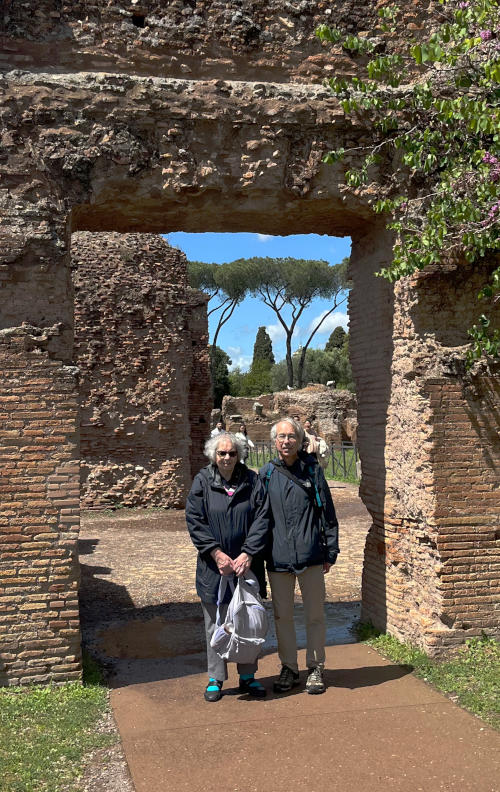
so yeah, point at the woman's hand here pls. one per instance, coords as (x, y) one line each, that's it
(326, 567)
(225, 564)
(242, 563)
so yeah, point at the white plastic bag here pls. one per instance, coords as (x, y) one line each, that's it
(239, 639)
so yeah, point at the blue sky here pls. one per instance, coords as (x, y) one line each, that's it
(237, 337)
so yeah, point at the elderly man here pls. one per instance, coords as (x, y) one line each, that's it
(303, 548)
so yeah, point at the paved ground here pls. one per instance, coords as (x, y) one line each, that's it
(375, 728)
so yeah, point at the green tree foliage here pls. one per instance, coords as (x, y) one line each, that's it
(320, 366)
(442, 132)
(288, 285)
(219, 363)
(224, 292)
(263, 347)
(258, 379)
(336, 340)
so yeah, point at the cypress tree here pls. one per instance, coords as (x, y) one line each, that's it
(263, 347)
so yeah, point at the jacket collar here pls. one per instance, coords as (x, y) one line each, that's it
(239, 475)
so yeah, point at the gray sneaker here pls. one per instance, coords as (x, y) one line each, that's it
(315, 682)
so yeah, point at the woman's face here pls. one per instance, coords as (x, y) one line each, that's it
(226, 458)
(242, 428)
(307, 426)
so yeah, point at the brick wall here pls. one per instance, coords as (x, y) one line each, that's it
(431, 574)
(140, 344)
(466, 460)
(39, 512)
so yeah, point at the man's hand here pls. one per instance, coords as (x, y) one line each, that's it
(242, 563)
(326, 567)
(225, 564)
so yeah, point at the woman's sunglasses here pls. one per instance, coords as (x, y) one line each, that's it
(226, 453)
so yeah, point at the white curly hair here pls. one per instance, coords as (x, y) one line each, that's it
(212, 445)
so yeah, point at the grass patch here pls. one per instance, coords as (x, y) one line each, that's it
(46, 733)
(335, 470)
(470, 678)
(341, 461)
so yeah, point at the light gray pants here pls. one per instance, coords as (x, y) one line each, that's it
(312, 587)
(216, 666)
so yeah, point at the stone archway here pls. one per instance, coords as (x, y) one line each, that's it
(129, 150)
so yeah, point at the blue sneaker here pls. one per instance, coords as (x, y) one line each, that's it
(213, 691)
(248, 684)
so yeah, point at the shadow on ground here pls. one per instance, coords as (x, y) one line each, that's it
(166, 640)
(140, 616)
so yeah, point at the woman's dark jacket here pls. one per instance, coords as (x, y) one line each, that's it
(236, 524)
(302, 534)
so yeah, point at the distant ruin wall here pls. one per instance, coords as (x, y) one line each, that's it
(140, 340)
(333, 412)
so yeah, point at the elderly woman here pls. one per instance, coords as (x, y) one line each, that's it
(228, 525)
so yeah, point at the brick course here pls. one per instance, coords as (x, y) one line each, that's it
(38, 523)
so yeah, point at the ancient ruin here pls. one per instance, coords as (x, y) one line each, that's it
(141, 347)
(334, 412)
(210, 116)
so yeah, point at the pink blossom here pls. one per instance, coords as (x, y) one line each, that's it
(486, 35)
(489, 158)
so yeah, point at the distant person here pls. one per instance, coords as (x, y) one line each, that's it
(315, 445)
(219, 429)
(242, 435)
(311, 444)
(227, 519)
(304, 545)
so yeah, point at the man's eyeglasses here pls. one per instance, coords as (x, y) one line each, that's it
(290, 437)
(226, 453)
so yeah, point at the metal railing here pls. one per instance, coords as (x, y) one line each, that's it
(342, 463)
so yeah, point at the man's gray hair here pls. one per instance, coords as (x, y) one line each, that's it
(212, 445)
(297, 428)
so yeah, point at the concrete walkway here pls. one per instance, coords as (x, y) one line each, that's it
(376, 728)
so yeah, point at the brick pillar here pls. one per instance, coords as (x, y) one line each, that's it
(39, 485)
(430, 455)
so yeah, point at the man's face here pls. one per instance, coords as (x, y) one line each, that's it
(286, 442)
(219, 426)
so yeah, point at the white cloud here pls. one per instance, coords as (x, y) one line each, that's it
(241, 361)
(264, 237)
(277, 332)
(331, 322)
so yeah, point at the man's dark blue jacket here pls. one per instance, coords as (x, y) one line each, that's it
(236, 524)
(298, 539)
